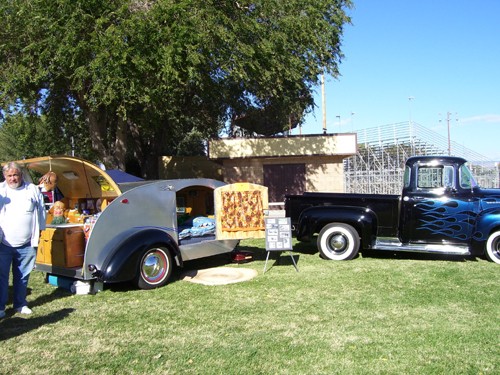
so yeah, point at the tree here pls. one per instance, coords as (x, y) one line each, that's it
(149, 77)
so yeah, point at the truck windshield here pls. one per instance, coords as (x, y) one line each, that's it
(467, 180)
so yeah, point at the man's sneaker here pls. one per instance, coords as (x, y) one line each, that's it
(2, 314)
(24, 310)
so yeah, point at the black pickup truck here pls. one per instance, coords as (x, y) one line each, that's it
(441, 210)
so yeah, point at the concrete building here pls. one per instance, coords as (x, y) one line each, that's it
(286, 165)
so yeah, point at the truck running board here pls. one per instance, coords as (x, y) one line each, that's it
(394, 244)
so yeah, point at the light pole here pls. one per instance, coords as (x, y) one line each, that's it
(338, 116)
(449, 138)
(410, 98)
(448, 128)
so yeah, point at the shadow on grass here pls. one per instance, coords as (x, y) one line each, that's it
(197, 264)
(284, 258)
(311, 248)
(277, 258)
(57, 293)
(382, 254)
(15, 325)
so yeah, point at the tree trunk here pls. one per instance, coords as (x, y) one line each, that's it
(121, 143)
(111, 152)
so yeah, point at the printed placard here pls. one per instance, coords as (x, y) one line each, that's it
(278, 233)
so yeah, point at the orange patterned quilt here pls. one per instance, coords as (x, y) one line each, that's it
(242, 211)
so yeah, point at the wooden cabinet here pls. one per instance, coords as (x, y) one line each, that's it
(62, 246)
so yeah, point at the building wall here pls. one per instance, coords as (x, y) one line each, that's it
(291, 146)
(243, 160)
(323, 173)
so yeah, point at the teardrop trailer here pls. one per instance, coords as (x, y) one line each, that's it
(139, 231)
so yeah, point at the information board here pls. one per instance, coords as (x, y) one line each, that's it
(278, 234)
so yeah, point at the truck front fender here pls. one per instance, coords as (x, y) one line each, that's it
(313, 219)
(487, 222)
(122, 262)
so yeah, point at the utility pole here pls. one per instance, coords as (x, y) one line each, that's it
(410, 124)
(323, 100)
(448, 114)
(449, 138)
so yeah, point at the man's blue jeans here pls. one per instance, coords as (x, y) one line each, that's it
(22, 260)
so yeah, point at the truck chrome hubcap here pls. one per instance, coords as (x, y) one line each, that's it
(338, 242)
(496, 248)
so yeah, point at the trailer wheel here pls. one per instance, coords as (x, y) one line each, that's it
(338, 241)
(155, 268)
(493, 247)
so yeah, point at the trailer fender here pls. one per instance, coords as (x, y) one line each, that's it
(313, 219)
(123, 262)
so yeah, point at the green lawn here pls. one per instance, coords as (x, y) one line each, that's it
(372, 315)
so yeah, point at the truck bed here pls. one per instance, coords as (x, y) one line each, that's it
(385, 206)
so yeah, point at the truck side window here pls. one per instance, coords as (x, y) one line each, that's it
(466, 179)
(406, 177)
(448, 176)
(430, 177)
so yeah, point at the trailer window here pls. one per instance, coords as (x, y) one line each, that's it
(181, 205)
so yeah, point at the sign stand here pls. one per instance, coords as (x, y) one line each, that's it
(279, 237)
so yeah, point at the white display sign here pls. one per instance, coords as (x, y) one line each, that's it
(278, 234)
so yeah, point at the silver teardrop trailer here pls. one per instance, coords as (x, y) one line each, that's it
(138, 231)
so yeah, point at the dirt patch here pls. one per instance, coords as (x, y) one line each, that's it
(219, 275)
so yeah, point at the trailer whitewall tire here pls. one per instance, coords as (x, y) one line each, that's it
(493, 247)
(155, 268)
(338, 241)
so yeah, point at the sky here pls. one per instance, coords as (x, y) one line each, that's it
(418, 60)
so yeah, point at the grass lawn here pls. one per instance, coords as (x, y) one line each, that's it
(373, 315)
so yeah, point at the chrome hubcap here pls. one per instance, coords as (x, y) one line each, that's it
(154, 267)
(338, 242)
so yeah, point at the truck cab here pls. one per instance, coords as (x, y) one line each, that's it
(437, 203)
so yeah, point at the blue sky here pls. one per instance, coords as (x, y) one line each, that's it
(443, 54)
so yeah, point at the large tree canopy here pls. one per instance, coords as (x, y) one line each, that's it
(148, 78)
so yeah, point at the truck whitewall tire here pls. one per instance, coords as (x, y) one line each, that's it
(493, 247)
(337, 241)
(155, 268)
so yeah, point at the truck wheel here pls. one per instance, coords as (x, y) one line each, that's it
(155, 268)
(493, 247)
(338, 242)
